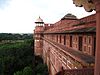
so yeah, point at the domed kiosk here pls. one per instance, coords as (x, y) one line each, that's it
(69, 16)
(39, 22)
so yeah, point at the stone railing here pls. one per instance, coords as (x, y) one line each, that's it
(85, 71)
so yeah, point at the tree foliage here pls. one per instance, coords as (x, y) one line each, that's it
(17, 56)
(10, 36)
(40, 67)
(26, 71)
(18, 73)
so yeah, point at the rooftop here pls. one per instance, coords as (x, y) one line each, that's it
(39, 20)
(69, 16)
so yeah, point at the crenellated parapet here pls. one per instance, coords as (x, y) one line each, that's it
(70, 24)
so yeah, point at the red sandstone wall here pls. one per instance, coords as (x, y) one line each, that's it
(52, 55)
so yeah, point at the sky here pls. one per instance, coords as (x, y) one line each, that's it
(18, 16)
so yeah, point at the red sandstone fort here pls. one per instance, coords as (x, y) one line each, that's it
(71, 46)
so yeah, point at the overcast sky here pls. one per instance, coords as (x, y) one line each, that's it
(18, 16)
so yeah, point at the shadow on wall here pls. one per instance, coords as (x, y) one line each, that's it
(85, 71)
(40, 67)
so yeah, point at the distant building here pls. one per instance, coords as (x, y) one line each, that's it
(67, 44)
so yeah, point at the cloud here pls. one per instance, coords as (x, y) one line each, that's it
(19, 16)
(4, 3)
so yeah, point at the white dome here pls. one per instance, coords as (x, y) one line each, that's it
(39, 20)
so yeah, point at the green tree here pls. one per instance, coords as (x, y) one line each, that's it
(27, 71)
(41, 69)
(18, 73)
(15, 56)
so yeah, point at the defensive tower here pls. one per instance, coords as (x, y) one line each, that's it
(38, 36)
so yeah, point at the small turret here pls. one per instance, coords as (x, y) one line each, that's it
(39, 22)
(39, 25)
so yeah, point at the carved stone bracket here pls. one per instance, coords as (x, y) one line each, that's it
(87, 4)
